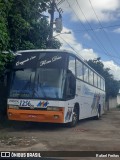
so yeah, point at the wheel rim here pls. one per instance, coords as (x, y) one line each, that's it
(74, 119)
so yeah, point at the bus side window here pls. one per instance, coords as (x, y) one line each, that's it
(90, 76)
(79, 69)
(102, 84)
(86, 74)
(98, 82)
(95, 80)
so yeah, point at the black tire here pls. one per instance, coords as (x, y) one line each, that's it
(75, 118)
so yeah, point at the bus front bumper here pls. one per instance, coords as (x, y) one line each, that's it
(36, 115)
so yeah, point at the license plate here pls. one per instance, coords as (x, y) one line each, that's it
(32, 116)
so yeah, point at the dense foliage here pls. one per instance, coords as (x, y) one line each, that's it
(111, 85)
(4, 36)
(22, 26)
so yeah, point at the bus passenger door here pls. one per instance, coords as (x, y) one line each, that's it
(70, 85)
(79, 98)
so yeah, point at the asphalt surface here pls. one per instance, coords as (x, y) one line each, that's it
(88, 135)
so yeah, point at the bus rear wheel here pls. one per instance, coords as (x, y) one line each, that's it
(75, 118)
(98, 113)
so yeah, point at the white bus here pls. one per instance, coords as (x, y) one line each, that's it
(55, 86)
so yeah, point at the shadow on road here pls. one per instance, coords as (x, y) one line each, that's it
(35, 126)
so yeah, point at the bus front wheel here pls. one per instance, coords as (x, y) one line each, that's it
(75, 118)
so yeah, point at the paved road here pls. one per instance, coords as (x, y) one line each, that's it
(88, 135)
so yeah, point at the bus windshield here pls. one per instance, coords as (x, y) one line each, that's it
(40, 83)
(38, 75)
(49, 83)
(22, 83)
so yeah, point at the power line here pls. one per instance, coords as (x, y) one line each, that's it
(105, 34)
(100, 28)
(83, 24)
(68, 44)
(71, 47)
(103, 48)
(60, 2)
(89, 29)
(74, 49)
(110, 26)
(96, 38)
(93, 31)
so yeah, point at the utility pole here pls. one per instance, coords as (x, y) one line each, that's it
(57, 22)
(52, 10)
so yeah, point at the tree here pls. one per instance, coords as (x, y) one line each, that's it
(111, 85)
(5, 59)
(22, 26)
(28, 29)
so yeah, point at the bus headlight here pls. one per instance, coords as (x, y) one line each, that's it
(13, 107)
(49, 108)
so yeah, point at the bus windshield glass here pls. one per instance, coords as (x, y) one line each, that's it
(44, 79)
(22, 83)
(49, 83)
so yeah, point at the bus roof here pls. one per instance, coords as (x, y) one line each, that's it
(51, 50)
(58, 50)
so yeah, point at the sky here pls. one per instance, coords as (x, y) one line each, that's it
(95, 30)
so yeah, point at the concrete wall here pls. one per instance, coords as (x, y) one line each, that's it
(118, 99)
(112, 103)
